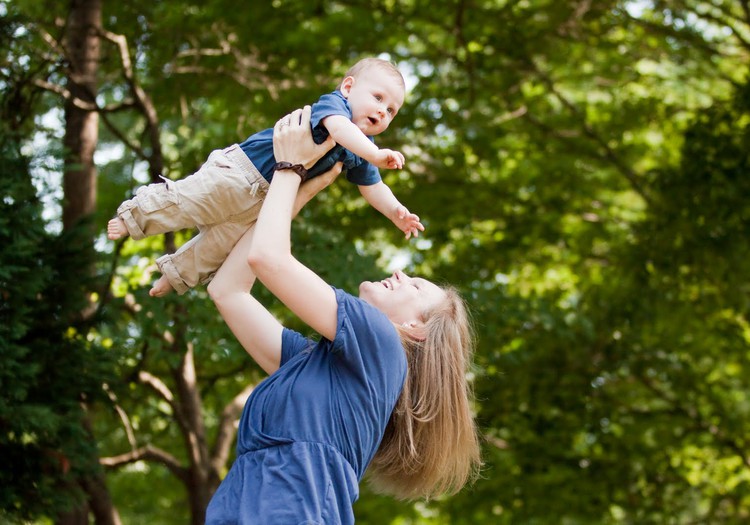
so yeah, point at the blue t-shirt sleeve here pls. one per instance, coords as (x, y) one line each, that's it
(363, 333)
(358, 170)
(369, 344)
(293, 343)
(327, 105)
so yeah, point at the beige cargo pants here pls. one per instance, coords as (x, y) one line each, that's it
(222, 199)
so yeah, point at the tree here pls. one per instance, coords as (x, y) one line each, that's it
(48, 366)
(176, 383)
(81, 45)
(554, 151)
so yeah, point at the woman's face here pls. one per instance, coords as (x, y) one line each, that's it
(402, 298)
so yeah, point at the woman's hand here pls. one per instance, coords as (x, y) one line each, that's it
(293, 142)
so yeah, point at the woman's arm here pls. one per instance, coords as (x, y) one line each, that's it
(270, 257)
(255, 328)
(312, 187)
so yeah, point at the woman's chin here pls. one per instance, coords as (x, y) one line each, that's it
(366, 288)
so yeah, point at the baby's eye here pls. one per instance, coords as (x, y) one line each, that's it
(390, 111)
(378, 98)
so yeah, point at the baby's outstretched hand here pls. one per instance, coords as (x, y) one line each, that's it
(389, 159)
(408, 222)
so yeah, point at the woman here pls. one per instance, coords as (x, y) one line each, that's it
(384, 387)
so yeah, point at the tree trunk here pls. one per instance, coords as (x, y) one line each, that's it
(194, 431)
(82, 43)
(98, 501)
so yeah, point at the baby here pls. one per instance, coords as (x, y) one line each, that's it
(223, 198)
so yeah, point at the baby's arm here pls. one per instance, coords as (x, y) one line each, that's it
(348, 135)
(382, 199)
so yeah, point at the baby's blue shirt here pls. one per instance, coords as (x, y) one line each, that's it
(259, 147)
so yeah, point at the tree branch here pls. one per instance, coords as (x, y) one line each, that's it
(105, 292)
(227, 429)
(123, 416)
(572, 24)
(142, 102)
(163, 390)
(608, 153)
(746, 9)
(80, 103)
(690, 39)
(157, 385)
(147, 453)
(103, 112)
(190, 401)
(510, 115)
(724, 22)
(127, 65)
(51, 41)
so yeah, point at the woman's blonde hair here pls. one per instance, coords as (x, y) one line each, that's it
(430, 446)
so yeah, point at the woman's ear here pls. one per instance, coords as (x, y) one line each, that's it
(416, 329)
(346, 86)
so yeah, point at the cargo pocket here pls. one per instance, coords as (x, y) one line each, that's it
(155, 197)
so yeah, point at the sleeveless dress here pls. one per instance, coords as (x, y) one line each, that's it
(308, 431)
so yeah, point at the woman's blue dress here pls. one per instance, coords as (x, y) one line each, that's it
(308, 431)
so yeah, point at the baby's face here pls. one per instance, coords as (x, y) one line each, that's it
(374, 97)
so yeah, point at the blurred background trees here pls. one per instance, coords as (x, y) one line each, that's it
(582, 170)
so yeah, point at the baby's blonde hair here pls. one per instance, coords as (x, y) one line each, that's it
(367, 64)
(431, 446)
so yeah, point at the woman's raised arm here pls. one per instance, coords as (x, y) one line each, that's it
(255, 328)
(270, 257)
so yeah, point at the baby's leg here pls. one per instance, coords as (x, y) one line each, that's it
(224, 197)
(161, 287)
(219, 190)
(198, 259)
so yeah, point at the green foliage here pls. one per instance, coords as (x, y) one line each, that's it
(582, 171)
(47, 367)
(628, 400)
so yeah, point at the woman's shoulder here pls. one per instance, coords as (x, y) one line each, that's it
(354, 305)
(358, 315)
(369, 340)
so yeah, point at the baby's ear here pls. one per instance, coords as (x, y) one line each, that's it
(346, 86)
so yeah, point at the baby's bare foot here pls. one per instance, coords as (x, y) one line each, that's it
(161, 287)
(116, 228)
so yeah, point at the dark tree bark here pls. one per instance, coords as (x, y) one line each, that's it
(82, 43)
(82, 47)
